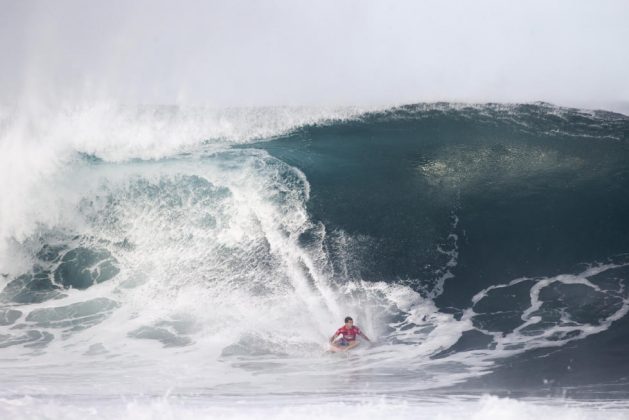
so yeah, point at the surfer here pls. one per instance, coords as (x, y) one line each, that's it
(348, 333)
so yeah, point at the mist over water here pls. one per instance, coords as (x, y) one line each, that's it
(245, 53)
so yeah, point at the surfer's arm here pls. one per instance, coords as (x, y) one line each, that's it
(364, 336)
(333, 337)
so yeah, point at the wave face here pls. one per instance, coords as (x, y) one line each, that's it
(481, 247)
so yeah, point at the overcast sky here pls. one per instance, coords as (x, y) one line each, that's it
(238, 52)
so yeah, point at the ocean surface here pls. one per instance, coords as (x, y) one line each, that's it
(171, 262)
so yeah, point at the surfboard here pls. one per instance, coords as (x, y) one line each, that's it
(332, 348)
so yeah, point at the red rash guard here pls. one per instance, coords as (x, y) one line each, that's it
(349, 334)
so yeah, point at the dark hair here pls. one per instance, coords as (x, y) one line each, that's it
(348, 318)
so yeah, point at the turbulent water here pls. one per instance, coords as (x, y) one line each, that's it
(164, 261)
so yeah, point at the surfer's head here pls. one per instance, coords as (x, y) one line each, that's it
(349, 321)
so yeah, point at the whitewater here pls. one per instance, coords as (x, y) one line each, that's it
(159, 262)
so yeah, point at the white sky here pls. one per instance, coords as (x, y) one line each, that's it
(362, 52)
